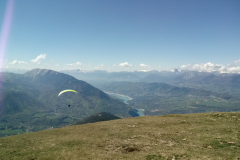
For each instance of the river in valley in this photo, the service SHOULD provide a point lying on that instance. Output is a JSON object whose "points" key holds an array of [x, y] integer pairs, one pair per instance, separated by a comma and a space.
{"points": [[125, 100]]}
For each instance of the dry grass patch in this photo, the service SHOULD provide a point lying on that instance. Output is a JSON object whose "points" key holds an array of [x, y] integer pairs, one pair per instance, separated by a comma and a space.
{"points": [[191, 136]]}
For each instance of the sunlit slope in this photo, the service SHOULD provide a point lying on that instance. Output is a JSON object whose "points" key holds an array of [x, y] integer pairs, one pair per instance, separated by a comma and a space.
{"points": [[30, 102], [190, 136], [89, 99]]}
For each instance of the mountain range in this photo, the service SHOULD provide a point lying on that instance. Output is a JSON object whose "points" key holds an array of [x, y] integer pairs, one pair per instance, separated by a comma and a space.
{"points": [[184, 77], [171, 77], [227, 83], [31, 101]]}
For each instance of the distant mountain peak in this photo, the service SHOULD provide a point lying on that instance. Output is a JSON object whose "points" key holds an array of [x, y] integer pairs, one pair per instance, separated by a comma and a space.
{"points": [[39, 71], [50, 77]]}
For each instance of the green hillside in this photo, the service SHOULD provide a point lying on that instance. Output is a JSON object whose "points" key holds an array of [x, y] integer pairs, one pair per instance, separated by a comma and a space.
{"points": [[212, 136], [30, 101], [103, 116]]}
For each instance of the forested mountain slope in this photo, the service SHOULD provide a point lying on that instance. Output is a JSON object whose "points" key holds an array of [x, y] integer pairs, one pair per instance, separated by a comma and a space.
{"points": [[30, 101]]}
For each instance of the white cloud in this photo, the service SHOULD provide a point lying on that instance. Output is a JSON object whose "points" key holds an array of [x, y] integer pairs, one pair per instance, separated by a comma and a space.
{"points": [[126, 64], [39, 58], [75, 64], [233, 69], [237, 61], [143, 65], [210, 67], [99, 66], [203, 67], [18, 62], [78, 63], [143, 70]]}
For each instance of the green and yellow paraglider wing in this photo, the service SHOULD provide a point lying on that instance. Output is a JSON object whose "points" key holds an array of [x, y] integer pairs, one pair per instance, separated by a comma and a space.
{"points": [[67, 90]]}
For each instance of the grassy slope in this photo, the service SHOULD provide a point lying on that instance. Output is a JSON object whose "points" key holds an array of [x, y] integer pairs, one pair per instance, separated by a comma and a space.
{"points": [[191, 136]]}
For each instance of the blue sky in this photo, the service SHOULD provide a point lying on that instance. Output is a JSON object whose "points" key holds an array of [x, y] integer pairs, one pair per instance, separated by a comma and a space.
{"points": [[123, 35]]}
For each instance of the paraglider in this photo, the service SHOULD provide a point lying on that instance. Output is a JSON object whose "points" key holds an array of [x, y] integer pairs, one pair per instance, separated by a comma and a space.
{"points": [[67, 90]]}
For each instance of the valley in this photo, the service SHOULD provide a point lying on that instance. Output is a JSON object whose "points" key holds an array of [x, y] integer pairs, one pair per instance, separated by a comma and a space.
{"points": [[162, 98], [31, 104], [120, 120], [125, 100], [120, 80]]}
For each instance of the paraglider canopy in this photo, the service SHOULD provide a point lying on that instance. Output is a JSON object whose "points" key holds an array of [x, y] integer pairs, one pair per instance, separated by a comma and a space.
{"points": [[67, 90]]}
